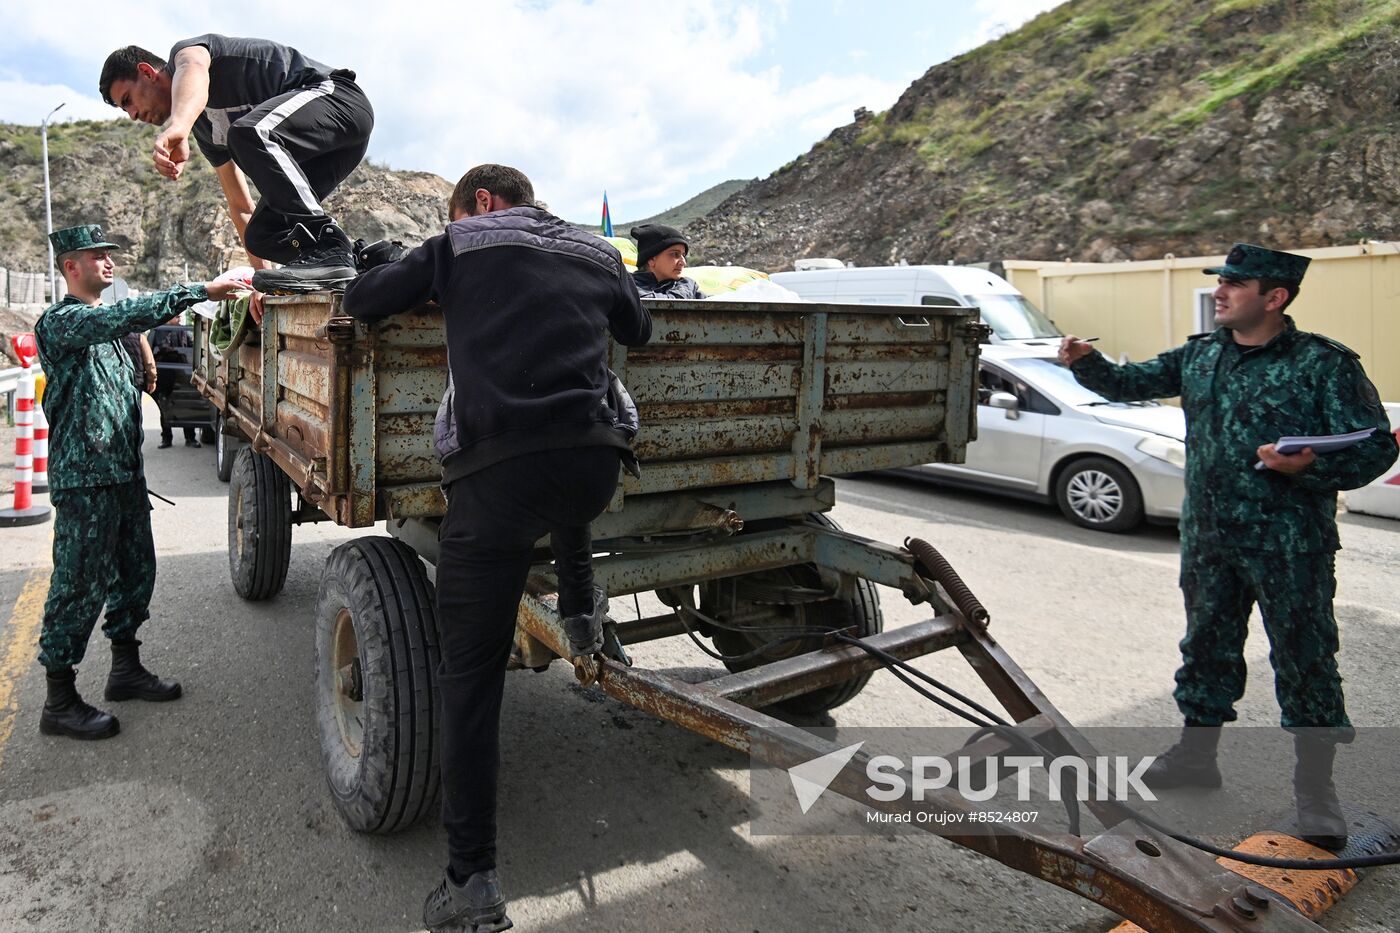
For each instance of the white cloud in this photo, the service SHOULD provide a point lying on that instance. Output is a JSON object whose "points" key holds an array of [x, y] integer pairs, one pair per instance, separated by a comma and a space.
{"points": [[24, 102], [1000, 17], [581, 95]]}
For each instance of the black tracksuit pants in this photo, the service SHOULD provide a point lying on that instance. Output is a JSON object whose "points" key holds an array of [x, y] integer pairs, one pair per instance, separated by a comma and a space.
{"points": [[296, 148], [494, 517]]}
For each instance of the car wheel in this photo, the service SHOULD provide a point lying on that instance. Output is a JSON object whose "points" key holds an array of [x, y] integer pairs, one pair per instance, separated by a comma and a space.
{"points": [[1097, 493]]}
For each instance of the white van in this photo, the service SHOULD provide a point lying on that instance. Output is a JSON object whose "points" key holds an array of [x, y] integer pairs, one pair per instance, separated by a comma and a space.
{"points": [[1013, 319]]}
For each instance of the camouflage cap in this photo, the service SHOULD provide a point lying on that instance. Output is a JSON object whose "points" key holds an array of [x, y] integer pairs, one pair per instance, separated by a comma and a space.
{"points": [[83, 236], [1247, 261]]}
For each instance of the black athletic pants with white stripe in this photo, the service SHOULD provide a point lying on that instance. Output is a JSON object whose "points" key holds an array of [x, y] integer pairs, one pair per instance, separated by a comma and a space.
{"points": [[296, 148]]}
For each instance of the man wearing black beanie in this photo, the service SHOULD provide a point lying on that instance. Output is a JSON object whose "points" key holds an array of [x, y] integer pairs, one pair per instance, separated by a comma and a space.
{"points": [[661, 255]]}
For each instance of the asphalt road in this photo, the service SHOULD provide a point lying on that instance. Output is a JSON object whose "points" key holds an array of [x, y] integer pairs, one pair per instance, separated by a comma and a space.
{"points": [[211, 813]]}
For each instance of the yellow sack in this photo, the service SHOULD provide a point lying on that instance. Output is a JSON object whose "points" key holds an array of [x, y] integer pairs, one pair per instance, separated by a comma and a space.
{"points": [[718, 280], [627, 248]]}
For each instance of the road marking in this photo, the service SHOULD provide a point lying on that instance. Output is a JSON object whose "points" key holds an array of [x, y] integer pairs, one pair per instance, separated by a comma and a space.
{"points": [[21, 638]]}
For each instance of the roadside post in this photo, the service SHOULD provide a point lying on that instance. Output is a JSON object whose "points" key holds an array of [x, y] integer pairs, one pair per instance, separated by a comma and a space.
{"points": [[23, 511]]}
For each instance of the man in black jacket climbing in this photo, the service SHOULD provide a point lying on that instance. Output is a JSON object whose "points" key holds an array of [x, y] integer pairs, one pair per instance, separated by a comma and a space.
{"points": [[528, 448]]}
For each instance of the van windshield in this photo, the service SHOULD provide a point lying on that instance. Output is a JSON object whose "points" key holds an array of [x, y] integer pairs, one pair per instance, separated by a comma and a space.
{"points": [[1012, 317]]}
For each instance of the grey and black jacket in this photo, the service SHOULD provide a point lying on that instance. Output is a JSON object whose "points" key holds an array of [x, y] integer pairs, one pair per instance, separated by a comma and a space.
{"points": [[528, 303], [650, 287]]}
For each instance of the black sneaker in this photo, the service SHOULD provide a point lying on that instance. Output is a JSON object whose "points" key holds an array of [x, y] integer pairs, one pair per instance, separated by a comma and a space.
{"points": [[585, 630], [477, 905], [323, 262]]}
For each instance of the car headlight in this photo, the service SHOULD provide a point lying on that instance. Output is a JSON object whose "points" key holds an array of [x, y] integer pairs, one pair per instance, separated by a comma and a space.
{"points": [[1164, 448]]}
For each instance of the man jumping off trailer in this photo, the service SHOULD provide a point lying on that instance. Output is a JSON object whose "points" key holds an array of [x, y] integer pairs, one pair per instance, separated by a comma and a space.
{"points": [[295, 127]]}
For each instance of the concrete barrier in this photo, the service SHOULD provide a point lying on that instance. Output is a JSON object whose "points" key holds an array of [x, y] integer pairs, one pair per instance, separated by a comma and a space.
{"points": [[1382, 496]]}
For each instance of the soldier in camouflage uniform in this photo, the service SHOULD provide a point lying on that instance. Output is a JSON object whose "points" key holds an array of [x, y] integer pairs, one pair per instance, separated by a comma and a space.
{"points": [[102, 547], [1258, 535]]}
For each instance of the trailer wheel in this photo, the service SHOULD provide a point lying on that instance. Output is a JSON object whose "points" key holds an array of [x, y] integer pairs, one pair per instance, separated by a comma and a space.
{"points": [[259, 525], [225, 450], [764, 593], [376, 654]]}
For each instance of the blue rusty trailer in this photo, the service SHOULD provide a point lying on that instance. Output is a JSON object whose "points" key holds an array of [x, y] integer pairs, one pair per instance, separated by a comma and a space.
{"points": [[746, 409]]}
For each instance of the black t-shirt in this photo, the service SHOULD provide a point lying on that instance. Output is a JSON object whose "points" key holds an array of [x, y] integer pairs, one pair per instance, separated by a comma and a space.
{"points": [[243, 73]]}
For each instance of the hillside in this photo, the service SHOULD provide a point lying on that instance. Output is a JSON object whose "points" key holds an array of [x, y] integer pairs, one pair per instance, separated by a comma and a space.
{"points": [[1101, 134], [682, 215], [100, 172]]}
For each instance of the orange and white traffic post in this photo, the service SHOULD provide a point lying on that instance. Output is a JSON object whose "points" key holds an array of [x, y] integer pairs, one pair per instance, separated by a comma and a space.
{"points": [[23, 510]]}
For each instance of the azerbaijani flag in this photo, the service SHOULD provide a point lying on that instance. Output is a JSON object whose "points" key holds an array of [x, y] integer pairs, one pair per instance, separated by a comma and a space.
{"points": [[607, 218]]}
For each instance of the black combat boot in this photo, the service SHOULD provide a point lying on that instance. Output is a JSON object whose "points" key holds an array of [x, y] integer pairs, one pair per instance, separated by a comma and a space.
{"points": [[323, 261], [476, 905], [66, 713], [585, 629], [1188, 763], [1320, 819], [130, 681]]}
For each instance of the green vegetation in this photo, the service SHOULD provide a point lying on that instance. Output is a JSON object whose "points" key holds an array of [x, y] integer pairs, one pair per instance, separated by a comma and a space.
{"points": [[1061, 61]]}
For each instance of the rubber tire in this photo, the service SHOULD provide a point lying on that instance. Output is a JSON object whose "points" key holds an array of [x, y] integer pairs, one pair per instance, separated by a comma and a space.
{"points": [[862, 610], [225, 450], [260, 499], [1129, 515], [394, 781]]}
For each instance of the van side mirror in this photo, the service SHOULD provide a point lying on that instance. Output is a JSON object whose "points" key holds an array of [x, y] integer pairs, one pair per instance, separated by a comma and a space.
{"points": [[1006, 402]]}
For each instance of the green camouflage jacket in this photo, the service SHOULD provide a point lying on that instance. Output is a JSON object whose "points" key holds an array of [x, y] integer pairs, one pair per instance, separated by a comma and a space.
{"points": [[1239, 398], [91, 399]]}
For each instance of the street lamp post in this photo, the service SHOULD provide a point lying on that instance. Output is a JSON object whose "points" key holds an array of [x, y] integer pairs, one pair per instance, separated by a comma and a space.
{"points": [[48, 206]]}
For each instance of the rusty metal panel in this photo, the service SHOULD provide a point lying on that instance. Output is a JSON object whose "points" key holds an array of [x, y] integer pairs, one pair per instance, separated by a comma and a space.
{"points": [[665, 382], [304, 434], [926, 325], [882, 456], [807, 439], [874, 376], [730, 394], [716, 471], [677, 325], [421, 328], [682, 439], [405, 458], [361, 431], [393, 358], [880, 425], [306, 374], [409, 390], [416, 500]]}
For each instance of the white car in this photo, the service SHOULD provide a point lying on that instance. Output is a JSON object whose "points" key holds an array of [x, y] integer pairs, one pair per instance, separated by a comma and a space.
{"points": [[1043, 436]]}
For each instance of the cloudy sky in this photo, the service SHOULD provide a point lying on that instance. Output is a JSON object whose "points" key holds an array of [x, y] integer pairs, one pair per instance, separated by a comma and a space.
{"points": [[652, 102]]}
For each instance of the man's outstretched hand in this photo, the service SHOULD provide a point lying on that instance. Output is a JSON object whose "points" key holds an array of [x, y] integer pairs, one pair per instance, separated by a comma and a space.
{"points": [[219, 290], [172, 151], [1072, 349]]}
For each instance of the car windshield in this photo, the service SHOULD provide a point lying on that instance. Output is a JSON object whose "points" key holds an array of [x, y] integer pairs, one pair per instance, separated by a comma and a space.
{"points": [[1012, 317], [1060, 382]]}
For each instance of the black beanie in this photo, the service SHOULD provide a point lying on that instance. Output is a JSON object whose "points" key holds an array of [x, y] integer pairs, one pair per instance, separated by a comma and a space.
{"points": [[653, 239]]}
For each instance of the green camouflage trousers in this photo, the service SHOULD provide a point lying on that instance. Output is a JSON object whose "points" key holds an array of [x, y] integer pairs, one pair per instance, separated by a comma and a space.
{"points": [[102, 554], [1294, 593]]}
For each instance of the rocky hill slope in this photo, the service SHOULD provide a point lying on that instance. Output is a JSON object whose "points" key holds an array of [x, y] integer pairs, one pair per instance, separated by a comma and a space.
{"points": [[1105, 131], [100, 172]]}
